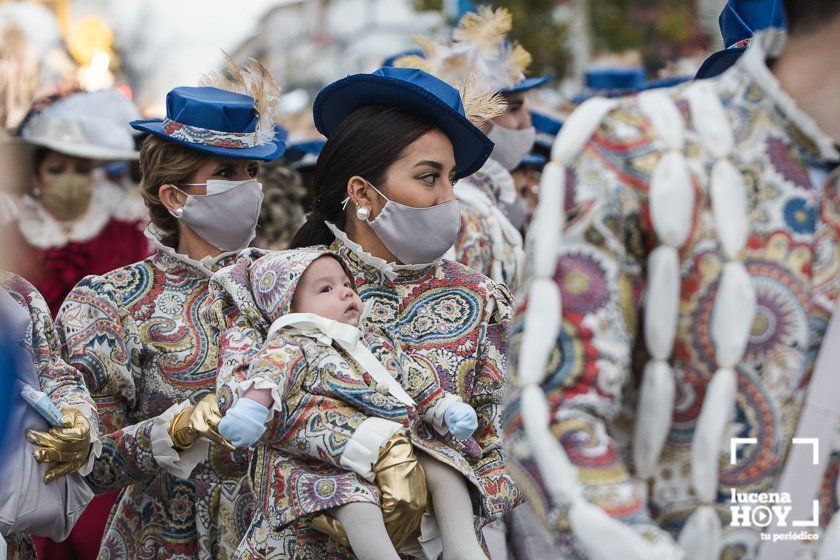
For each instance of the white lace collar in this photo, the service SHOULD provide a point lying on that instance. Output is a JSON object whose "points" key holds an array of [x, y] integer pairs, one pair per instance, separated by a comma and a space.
{"points": [[206, 266], [769, 44], [390, 270]]}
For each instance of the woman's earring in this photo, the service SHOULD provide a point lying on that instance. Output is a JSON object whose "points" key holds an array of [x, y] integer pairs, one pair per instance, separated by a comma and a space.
{"points": [[178, 213], [362, 212]]}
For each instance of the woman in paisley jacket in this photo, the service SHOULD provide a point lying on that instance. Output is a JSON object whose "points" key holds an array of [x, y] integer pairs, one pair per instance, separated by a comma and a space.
{"points": [[446, 316], [141, 336]]}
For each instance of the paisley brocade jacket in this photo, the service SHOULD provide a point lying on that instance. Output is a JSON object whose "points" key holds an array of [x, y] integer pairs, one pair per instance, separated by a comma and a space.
{"points": [[140, 335]]}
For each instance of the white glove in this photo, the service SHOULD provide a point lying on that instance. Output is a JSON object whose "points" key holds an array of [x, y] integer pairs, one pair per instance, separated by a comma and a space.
{"points": [[461, 420], [244, 423]]}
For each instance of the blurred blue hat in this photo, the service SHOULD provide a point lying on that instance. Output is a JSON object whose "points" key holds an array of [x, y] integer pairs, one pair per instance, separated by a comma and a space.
{"points": [[394, 57], [302, 155], [527, 84], [739, 21], [216, 122], [413, 90], [547, 129], [613, 78], [665, 82]]}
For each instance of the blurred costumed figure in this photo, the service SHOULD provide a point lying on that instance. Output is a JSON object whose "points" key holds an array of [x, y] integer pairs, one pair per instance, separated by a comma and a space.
{"points": [[71, 225], [684, 273]]}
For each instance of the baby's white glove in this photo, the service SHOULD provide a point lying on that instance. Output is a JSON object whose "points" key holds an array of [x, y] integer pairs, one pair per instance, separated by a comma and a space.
{"points": [[461, 420], [244, 423]]}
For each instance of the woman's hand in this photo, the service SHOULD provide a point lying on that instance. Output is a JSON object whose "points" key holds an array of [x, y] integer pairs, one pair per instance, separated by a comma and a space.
{"points": [[461, 420], [201, 420], [67, 446]]}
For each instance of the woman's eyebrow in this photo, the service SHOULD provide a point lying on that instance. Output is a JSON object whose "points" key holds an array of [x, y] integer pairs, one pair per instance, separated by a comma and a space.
{"points": [[432, 164]]}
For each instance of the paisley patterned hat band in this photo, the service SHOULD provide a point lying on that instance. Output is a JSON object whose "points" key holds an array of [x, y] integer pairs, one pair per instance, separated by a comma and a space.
{"points": [[207, 137]]}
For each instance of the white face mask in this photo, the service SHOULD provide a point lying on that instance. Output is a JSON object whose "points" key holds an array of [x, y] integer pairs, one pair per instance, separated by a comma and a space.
{"points": [[417, 235], [226, 217], [511, 145]]}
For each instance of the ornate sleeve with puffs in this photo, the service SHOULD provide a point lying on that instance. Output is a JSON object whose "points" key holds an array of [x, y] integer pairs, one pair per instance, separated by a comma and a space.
{"points": [[599, 278], [103, 342]]}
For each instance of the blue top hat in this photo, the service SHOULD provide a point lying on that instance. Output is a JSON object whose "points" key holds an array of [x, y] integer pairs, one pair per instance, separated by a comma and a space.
{"points": [[302, 155], [215, 122], [413, 90], [739, 21]]}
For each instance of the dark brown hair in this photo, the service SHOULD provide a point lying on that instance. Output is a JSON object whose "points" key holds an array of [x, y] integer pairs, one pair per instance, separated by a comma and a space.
{"points": [[366, 143]]}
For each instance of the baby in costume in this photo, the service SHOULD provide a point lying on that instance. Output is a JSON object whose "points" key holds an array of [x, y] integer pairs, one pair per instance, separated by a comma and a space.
{"points": [[343, 407]]}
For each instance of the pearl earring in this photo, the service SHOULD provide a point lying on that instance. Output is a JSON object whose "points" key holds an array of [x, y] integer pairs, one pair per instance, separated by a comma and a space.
{"points": [[362, 212], [179, 212]]}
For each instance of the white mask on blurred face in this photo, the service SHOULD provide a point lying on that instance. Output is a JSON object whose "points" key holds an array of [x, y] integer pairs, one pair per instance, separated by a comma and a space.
{"points": [[511, 145]]}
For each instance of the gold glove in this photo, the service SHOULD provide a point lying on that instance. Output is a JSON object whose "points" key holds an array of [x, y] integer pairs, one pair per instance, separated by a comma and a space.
{"points": [[404, 494], [201, 420], [67, 446]]}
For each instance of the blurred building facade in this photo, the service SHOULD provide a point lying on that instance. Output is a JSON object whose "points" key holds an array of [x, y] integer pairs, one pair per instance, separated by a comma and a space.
{"points": [[309, 43]]}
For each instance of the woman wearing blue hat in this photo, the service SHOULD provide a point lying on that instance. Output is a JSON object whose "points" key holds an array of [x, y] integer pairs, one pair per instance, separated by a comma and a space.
{"points": [[488, 242], [140, 334], [397, 141]]}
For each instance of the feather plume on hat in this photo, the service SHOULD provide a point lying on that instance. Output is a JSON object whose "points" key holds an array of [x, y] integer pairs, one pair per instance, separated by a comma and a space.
{"points": [[253, 79], [481, 104], [485, 29], [479, 51]]}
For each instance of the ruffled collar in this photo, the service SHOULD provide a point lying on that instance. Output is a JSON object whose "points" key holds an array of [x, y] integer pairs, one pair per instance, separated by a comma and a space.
{"points": [[769, 44], [168, 258], [390, 270]]}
